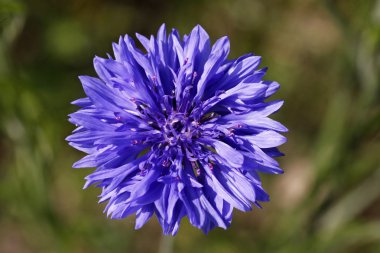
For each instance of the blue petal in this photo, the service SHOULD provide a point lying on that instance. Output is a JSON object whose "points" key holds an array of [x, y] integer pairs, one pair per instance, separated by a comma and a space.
{"points": [[224, 192], [252, 119], [143, 215], [82, 102], [218, 55], [227, 154], [101, 95], [266, 139], [191, 47]]}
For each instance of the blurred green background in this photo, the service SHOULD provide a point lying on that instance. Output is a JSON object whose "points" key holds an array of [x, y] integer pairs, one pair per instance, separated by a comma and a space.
{"points": [[326, 55]]}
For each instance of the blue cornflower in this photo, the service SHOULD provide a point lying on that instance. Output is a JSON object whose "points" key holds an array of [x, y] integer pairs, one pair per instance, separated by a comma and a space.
{"points": [[178, 130]]}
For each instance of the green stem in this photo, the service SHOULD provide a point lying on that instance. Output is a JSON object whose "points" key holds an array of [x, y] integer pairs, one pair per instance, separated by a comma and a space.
{"points": [[166, 244]]}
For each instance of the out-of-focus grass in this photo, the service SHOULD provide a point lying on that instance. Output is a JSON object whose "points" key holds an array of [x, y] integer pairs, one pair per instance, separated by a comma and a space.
{"points": [[326, 55]]}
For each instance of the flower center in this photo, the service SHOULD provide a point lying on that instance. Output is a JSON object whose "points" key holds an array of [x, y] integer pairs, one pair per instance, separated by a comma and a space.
{"points": [[179, 128]]}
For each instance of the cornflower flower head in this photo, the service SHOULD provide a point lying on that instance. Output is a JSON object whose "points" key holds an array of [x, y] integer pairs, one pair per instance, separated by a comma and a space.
{"points": [[177, 130]]}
